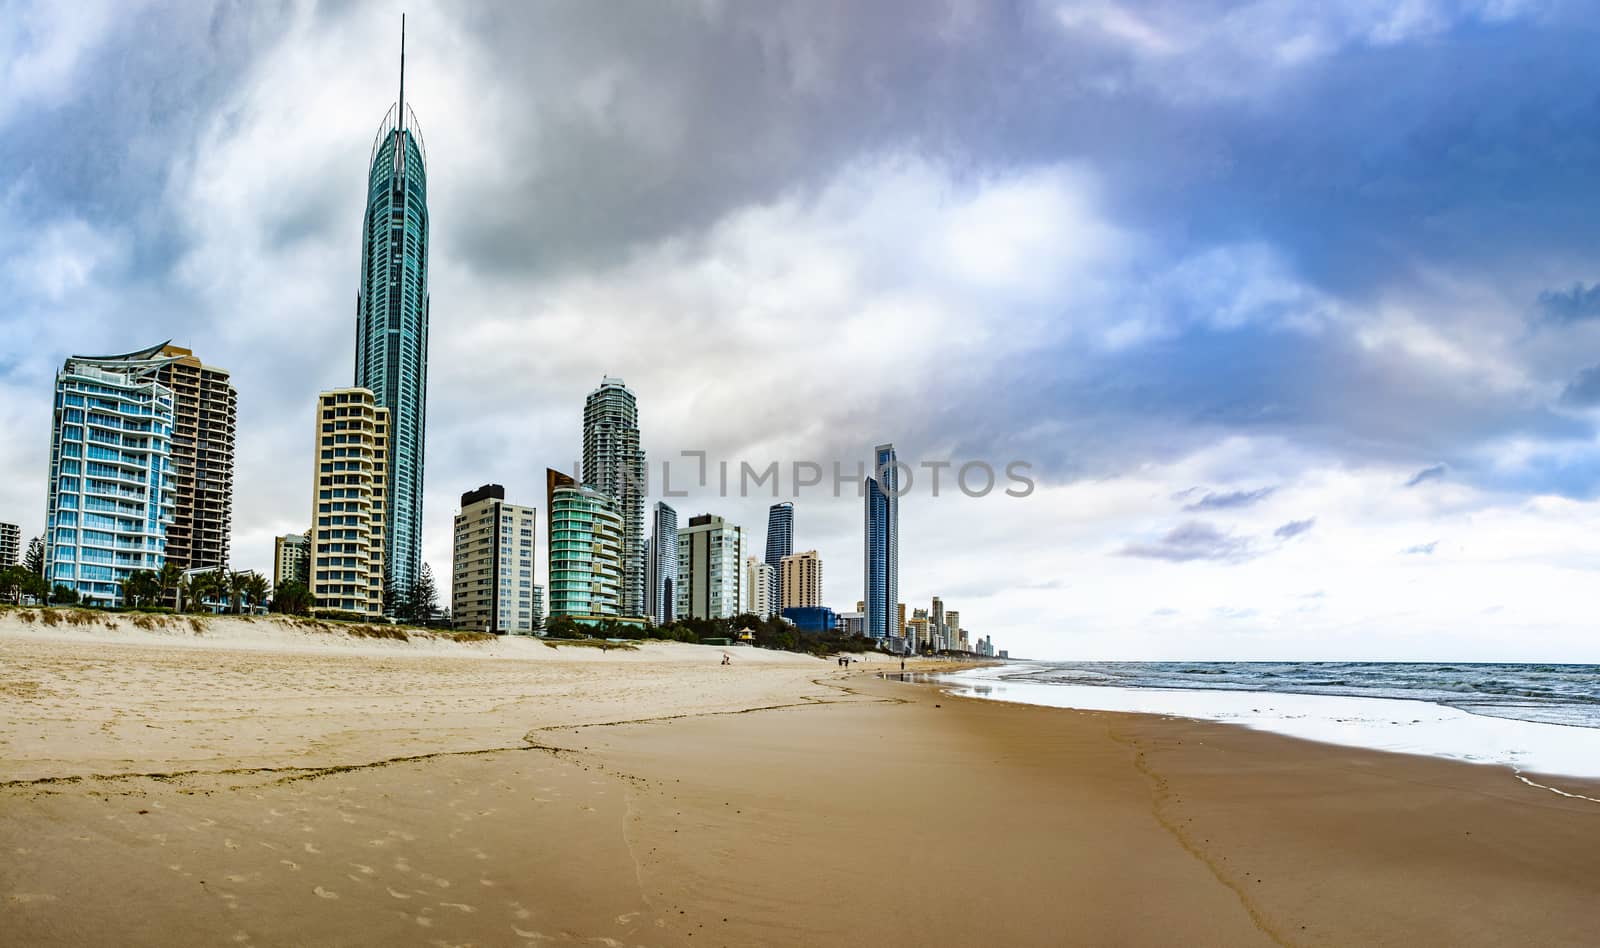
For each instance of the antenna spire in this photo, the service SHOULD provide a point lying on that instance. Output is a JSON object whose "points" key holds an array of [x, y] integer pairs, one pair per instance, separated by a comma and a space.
{"points": [[401, 118]]}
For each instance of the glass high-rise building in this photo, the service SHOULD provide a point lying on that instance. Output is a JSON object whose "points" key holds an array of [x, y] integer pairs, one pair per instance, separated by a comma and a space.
{"points": [[661, 586], [780, 543], [613, 462], [112, 493], [392, 322], [882, 574], [585, 543]]}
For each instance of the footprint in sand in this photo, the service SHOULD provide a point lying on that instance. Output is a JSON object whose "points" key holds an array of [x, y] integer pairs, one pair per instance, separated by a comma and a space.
{"points": [[398, 895], [312, 849], [238, 878], [364, 870], [26, 897], [294, 866], [459, 906], [325, 893], [230, 844]]}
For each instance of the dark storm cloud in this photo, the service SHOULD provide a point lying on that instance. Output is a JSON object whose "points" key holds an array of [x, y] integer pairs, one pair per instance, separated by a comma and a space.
{"points": [[1583, 391], [1231, 500], [1195, 540], [1570, 306], [1294, 528], [1434, 473]]}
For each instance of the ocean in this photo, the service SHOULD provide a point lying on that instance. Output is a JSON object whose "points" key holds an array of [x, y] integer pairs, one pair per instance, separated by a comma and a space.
{"points": [[1533, 718]]}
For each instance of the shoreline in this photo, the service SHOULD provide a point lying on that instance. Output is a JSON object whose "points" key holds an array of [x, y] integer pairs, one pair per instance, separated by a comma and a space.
{"points": [[665, 801], [1393, 724]]}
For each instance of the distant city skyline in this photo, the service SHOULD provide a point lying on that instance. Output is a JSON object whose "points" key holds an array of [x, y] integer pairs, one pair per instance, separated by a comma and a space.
{"points": [[1300, 374]]}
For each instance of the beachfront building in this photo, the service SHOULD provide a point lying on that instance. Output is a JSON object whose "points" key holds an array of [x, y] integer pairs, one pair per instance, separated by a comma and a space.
{"points": [[917, 630], [881, 580], [936, 627], [952, 626], [613, 462], [111, 493], [349, 494], [205, 411], [584, 535], [10, 544], [710, 551], [852, 623], [802, 581], [291, 559], [391, 351], [491, 578], [780, 543], [758, 587], [813, 620], [661, 565]]}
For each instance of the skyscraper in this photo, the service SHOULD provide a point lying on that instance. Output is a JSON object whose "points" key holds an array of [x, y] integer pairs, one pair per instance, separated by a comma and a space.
{"points": [[613, 462], [758, 583], [881, 583], [585, 539], [780, 543], [491, 582], [661, 592], [348, 497], [392, 321], [710, 551], [802, 580], [941, 635], [111, 491], [205, 409]]}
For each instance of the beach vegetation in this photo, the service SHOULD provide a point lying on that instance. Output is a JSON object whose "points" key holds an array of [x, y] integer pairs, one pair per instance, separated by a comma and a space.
{"points": [[64, 595], [33, 560], [292, 598], [19, 581], [763, 633]]}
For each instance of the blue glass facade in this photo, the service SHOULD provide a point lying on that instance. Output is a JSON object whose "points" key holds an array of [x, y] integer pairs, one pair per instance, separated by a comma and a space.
{"points": [[812, 619], [780, 543], [392, 325], [111, 490], [661, 592], [881, 585]]}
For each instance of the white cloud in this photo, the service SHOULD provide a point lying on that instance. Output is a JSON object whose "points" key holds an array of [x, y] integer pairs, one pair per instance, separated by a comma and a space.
{"points": [[43, 48]]}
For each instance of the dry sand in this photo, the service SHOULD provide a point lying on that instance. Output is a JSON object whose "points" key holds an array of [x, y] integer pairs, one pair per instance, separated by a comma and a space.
{"points": [[331, 792]]}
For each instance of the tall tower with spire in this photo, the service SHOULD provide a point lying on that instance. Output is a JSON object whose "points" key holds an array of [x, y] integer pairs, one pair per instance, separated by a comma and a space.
{"points": [[392, 322]]}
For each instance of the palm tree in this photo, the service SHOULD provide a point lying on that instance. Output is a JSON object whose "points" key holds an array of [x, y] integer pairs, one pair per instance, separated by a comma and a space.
{"points": [[204, 586], [234, 587], [171, 578], [255, 589], [140, 589]]}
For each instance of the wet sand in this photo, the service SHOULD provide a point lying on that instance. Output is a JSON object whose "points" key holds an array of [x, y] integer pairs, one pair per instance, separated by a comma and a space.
{"points": [[786, 804]]}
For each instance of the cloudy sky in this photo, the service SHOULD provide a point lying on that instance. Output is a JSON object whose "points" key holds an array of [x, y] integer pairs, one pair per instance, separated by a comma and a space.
{"points": [[1293, 308]]}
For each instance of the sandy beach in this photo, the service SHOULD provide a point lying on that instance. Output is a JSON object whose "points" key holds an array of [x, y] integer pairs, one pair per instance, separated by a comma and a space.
{"points": [[261, 785]]}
